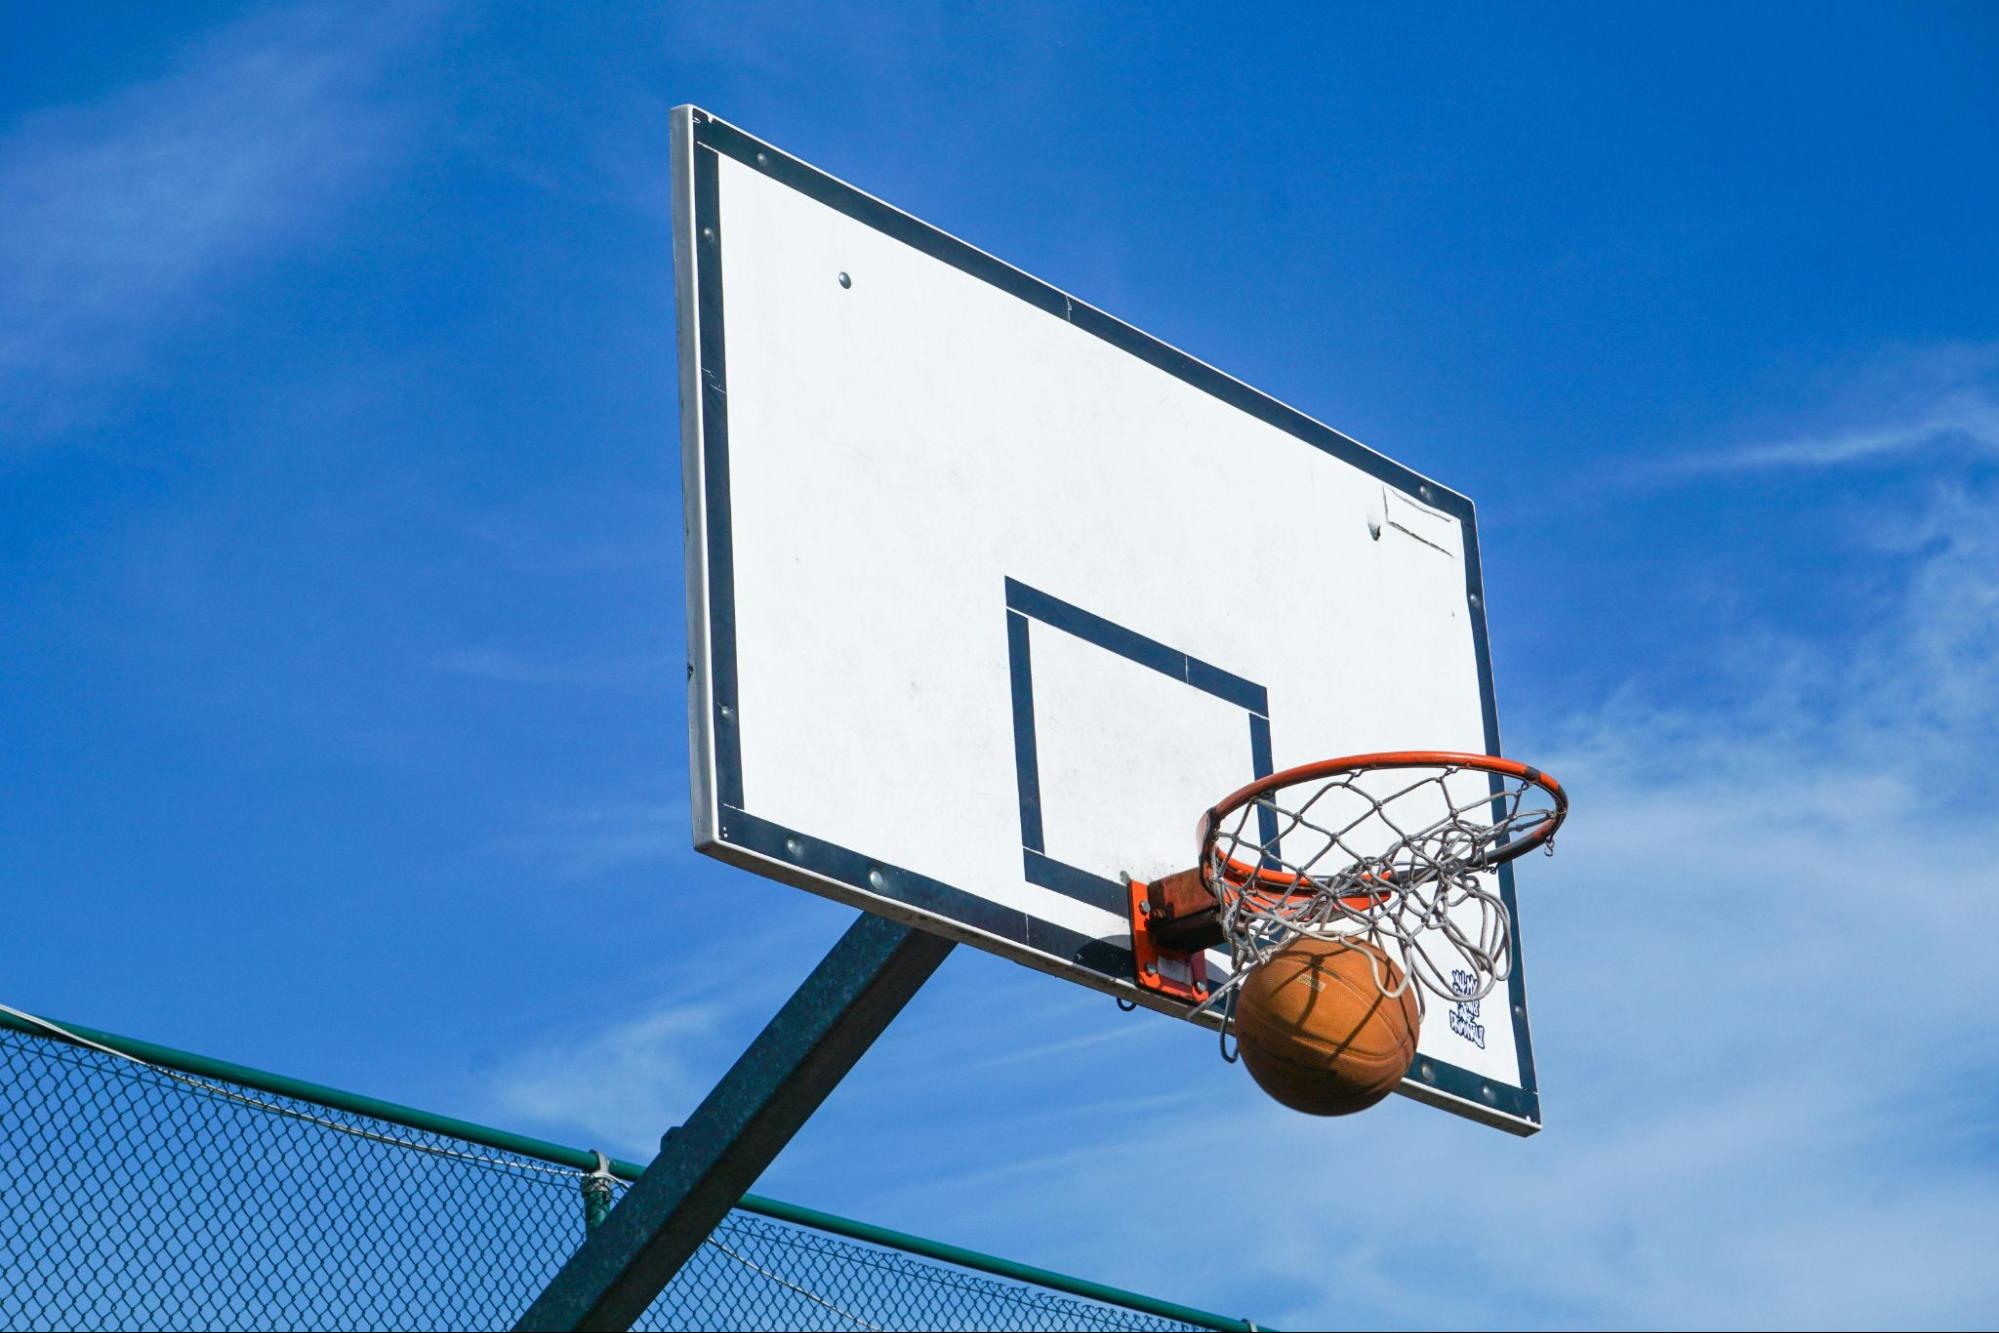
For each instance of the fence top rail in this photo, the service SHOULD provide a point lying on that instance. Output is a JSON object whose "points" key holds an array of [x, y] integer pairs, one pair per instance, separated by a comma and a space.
{"points": [[585, 1160]]}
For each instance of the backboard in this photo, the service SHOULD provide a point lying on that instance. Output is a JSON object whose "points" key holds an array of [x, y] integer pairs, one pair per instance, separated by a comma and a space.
{"points": [[990, 594]]}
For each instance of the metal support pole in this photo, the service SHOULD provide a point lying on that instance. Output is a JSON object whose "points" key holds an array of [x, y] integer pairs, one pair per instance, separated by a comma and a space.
{"points": [[772, 1089]]}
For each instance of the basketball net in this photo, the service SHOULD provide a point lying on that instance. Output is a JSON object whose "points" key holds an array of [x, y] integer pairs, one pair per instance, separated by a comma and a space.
{"points": [[1401, 850]]}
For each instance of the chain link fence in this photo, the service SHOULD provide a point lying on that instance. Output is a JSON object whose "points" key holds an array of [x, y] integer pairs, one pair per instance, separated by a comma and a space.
{"points": [[134, 1195]]}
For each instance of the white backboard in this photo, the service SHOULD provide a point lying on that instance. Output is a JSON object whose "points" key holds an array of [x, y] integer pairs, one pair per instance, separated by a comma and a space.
{"points": [[990, 595]]}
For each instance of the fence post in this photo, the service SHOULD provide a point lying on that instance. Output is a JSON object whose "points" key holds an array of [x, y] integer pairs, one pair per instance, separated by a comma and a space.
{"points": [[597, 1186]]}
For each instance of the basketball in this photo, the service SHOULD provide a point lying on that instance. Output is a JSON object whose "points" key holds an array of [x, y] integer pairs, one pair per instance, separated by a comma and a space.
{"points": [[1316, 1032]]}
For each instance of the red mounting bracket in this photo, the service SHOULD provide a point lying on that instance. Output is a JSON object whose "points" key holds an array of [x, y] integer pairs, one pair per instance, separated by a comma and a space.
{"points": [[1173, 925]]}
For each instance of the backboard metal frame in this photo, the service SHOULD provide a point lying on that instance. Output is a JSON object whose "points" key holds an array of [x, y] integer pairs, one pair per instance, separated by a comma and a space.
{"points": [[723, 828]]}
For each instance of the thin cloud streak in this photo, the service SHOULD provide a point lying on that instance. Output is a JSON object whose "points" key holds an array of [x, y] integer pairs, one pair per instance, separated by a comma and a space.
{"points": [[628, 1083], [122, 213], [506, 667], [582, 843], [1968, 418], [622, 1083]]}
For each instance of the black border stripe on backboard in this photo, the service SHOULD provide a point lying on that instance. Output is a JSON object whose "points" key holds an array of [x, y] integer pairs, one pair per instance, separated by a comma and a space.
{"points": [[1026, 753], [1516, 980], [896, 884], [1136, 647], [714, 368]]}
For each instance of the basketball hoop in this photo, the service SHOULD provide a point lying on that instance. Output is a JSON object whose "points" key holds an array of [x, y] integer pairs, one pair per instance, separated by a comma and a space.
{"points": [[1395, 847]]}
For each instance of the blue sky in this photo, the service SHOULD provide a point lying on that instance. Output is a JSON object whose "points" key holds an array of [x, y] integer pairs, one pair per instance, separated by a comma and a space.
{"points": [[340, 644]]}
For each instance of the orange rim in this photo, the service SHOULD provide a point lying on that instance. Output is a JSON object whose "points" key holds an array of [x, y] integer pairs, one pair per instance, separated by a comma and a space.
{"points": [[1281, 885]]}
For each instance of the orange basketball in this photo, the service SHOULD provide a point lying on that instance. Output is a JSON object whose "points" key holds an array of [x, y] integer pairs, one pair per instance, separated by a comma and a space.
{"points": [[1316, 1032]]}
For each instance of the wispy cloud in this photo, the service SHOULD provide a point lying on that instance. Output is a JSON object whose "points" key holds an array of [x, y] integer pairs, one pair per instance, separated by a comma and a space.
{"points": [[1966, 419], [624, 1082], [508, 667], [580, 843], [628, 1083], [626, 531], [122, 212], [1953, 405]]}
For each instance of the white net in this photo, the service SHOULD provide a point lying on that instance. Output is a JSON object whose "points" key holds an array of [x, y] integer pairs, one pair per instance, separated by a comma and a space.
{"points": [[1401, 850]]}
